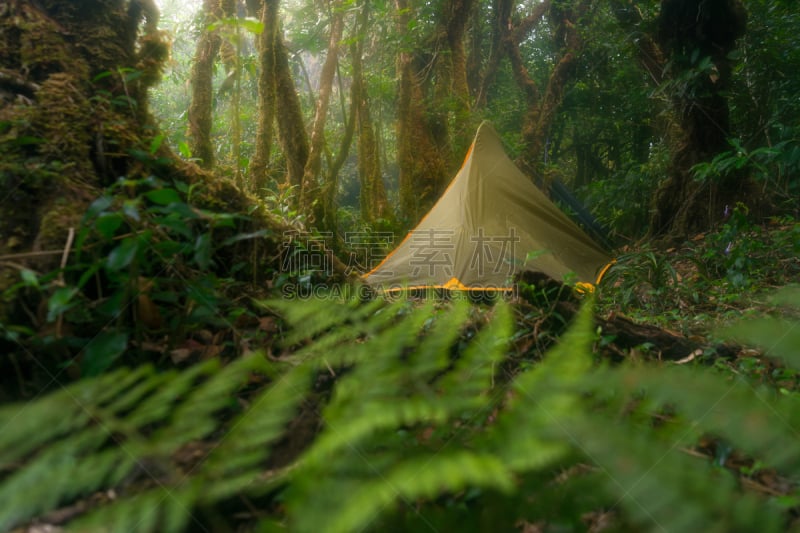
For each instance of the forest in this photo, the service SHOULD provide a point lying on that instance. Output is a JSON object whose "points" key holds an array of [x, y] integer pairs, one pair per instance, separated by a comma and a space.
{"points": [[193, 197]]}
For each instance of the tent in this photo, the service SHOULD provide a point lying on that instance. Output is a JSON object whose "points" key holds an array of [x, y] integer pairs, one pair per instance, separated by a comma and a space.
{"points": [[489, 224]]}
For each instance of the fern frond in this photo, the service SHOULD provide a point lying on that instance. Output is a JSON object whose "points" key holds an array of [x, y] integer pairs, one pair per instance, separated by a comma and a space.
{"points": [[422, 477], [750, 418], [534, 430], [159, 510], [662, 488], [246, 445], [405, 378], [780, 338], [473, 372], [115, 423], [25, 427]]}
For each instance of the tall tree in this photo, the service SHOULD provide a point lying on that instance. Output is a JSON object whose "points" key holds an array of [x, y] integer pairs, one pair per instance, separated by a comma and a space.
{"points": [[267, 42], [278, 102], [431, 68], [688, 56], [202, 77], [563, 19], [66, 69], [372, 197], [310, 190]]}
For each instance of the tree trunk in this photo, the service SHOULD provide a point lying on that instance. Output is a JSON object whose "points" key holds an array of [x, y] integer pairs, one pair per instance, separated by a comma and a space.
{"points": [[452, 88], [200, 108], [563, 19], [66, 70], [259, 169], [52, 98], [420, 158], [372, 196], [73, 122], [688, 32], [310, 190], [289, 114]]}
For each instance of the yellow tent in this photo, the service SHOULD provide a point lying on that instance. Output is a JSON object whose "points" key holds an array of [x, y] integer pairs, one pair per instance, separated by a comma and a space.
{"points": [[489, 224]]}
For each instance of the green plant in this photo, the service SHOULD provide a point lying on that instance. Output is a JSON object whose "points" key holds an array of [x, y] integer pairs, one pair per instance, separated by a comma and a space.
{"points": [[141, 263], [644, 278], [745, 254], [417, 425]]}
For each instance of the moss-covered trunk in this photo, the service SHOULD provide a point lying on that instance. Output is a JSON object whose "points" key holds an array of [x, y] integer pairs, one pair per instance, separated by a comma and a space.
{"points": [[259, 169], [72, 106], [75, 132], [422, 140], [311, 199], [289, 114], [372, 196], [200, 109], [563, 19], [688, 58], [689, 33], [452, 90]]}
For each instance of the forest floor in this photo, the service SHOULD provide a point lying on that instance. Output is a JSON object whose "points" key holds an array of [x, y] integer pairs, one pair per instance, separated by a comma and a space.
{"points": [[655, 308]]}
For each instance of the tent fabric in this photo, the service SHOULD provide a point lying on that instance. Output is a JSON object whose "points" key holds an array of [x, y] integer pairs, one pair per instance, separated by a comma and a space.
{"points": [[489, 224]]}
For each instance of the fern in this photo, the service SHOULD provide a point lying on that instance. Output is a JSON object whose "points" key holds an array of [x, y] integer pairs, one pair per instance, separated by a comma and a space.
{"points": [[119, 427], [424, 421]]}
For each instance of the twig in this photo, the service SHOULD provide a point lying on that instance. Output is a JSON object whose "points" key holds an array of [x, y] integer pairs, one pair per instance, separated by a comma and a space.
{"points": [[24, 255], [12, 264], [70, 238], [690, 357]]}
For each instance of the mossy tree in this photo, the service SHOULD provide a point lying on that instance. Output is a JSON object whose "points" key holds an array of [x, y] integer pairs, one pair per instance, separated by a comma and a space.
{"points": [[75, 128], [432, 96], [563, 21], [372, 198], [201, 107], [685, 51], [76, 74], [310, 197], [267, 43]]}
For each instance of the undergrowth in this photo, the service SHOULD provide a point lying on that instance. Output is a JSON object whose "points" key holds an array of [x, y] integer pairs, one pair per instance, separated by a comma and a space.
{"points": [[412, 425], [714, 277]]}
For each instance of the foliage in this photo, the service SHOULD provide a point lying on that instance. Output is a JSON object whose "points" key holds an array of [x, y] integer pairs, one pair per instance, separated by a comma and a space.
{"points": [[714, 276], [145, 263], [642, 278], [417, 425], [403, 415], [744, 252]]}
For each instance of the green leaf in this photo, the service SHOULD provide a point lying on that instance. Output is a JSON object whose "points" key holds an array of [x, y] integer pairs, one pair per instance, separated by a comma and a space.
{"points": [[252, 25], [185, 151], [60, 301], [175, 224], [155, 144], [163, 196], [245, 236], [102, 75], [202, 250], [29, 278], [107, 224], [131, 210], [27, 140], [122, 256], [102, 351], [99, 205]]}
